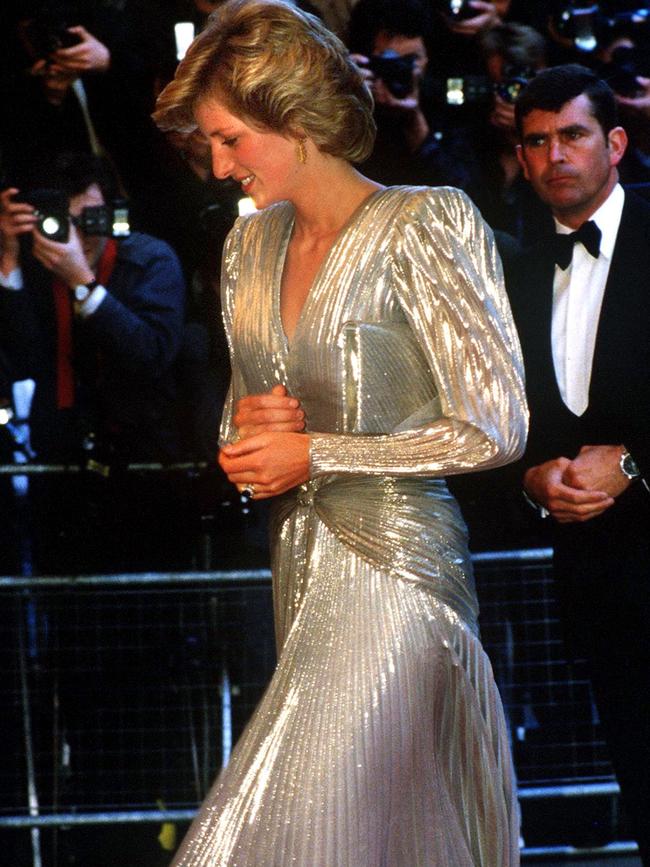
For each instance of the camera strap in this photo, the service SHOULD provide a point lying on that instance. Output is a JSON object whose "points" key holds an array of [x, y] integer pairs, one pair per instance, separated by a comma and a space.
{"points": [[63, 310]]}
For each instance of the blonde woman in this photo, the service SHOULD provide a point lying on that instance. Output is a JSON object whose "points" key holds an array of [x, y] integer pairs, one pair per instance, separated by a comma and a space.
{"points": [[373, 353]]}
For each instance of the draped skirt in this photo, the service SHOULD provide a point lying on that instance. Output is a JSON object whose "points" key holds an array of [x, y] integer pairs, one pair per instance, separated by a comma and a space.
{"points": [[380, 741]]}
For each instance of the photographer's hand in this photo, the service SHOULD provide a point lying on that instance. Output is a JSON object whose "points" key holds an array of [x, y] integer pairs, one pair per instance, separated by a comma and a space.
{"points": [[486, 17], [362, 62], [502, 115], [67, 261], [89, 55], [16, 218], [405, 105], [640, 105], [416, 126]]}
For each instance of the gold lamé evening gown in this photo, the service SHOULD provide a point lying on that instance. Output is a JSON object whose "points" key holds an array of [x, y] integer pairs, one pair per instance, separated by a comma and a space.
{"points": [[380, 741]]}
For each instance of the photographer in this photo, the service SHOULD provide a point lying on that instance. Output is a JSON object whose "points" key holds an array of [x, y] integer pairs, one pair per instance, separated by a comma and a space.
{"points": [[99, 321], [624, 63], [512, 54], [79, 76], [390, 44]]}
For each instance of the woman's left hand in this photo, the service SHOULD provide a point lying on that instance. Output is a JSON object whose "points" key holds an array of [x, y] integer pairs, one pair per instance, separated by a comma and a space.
{"points": [[272, 462], [275, 410]]}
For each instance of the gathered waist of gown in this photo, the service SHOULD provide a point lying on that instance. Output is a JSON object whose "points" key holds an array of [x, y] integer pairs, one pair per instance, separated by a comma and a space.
{"points": [[409, 527]]}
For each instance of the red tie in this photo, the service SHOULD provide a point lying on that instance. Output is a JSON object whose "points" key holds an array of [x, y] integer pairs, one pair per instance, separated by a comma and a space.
{"points": [[63, 313], [64, 371]]}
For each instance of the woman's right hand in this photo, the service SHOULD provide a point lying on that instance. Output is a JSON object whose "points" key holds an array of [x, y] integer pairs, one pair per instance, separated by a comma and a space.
{"points": [[275, 410]]}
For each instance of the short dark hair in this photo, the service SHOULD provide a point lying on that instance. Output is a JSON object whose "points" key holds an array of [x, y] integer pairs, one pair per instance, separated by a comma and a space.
{"points": [[410, 18], [72, 173], [519, 45], [552, 88]]}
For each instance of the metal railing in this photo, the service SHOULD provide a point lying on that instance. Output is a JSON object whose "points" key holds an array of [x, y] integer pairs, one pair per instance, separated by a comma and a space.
{"points": [[531, 566]]}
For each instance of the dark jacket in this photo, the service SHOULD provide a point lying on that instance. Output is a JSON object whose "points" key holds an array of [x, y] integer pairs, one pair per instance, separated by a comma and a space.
{"points": [[123, 354]]}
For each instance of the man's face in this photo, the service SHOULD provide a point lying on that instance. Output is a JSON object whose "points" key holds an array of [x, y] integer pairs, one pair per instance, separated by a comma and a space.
{"points": [[569, 161], [93, 245], [401, 45]]}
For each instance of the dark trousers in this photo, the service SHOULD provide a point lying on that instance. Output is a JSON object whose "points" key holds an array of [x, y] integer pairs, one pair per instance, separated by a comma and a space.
{"points": [[603, 578]]}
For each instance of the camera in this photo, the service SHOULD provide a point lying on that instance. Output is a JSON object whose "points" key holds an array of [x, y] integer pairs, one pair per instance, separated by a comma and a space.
{"points": [[47, 33], [581, 22], [625, 66], [588, 27], [53, 218], [395, 70], [51, 211], [110, 221], [461, 90], [516, 78], [456, 10]]}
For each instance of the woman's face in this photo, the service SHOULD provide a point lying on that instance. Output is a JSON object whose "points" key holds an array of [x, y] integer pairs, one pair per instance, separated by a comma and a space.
{"points": [[264, 163]]}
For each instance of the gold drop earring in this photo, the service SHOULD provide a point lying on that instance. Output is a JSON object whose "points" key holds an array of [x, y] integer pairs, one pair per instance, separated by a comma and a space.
{"points": [[302, 150]]}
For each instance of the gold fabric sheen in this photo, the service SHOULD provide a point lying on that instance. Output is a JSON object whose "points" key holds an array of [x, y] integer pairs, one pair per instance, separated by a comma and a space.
{"points": [[381, 740]]}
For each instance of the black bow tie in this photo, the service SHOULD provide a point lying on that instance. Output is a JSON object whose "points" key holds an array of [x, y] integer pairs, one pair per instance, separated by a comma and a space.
{"points": [[588, 235]]}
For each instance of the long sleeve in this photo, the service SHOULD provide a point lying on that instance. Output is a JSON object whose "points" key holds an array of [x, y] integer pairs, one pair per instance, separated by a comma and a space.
{"points": [[449, 281], [139, 323]]}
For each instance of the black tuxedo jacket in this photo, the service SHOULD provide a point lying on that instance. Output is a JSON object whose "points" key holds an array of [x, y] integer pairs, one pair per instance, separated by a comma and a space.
{"points": [[619, 396], [602, 566]]}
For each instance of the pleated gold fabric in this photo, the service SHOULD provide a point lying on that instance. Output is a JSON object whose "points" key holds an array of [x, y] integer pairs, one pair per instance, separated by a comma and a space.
{"points": [[380, 741]]}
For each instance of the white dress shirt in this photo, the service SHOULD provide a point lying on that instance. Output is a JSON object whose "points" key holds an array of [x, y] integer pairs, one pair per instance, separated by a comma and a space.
{"points": [[577, 298]]}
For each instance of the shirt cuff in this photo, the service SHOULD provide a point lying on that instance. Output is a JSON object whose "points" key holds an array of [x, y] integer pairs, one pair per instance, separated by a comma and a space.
{"points": [[92, 302], [13, 280]]}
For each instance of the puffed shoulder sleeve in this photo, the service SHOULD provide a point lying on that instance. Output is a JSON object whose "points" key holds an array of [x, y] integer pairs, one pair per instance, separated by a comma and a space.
{"points": [[449, 282]]}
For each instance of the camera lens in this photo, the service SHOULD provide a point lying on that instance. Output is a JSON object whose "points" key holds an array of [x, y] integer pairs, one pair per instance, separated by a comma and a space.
{"points": [[49, 225], [54, 225]]}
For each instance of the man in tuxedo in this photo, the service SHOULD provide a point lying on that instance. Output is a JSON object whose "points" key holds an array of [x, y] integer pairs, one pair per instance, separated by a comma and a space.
{"points": [[581, 301]]}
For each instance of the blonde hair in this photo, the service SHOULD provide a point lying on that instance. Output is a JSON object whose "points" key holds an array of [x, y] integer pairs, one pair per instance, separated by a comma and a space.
{"points": [[277, 68]]}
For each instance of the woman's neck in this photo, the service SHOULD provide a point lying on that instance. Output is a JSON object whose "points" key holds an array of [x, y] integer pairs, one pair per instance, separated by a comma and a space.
{"points": [[332, 192]]}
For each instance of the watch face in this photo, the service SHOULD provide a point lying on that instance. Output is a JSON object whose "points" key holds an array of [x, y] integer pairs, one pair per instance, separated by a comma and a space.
{"points": [[81, 292], [629, 466]]}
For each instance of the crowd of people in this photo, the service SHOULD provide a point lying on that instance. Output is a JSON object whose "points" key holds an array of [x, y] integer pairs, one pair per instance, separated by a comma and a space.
{"points": [[112, 309], [82, 78]]}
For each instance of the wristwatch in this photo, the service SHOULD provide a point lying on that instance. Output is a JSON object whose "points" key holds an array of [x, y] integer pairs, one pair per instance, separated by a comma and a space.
{"points": [[629, 466], [83, 290]]}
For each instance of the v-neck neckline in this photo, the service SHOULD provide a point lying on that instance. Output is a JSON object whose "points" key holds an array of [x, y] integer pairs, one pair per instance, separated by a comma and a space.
{"points": [[329, 255]]}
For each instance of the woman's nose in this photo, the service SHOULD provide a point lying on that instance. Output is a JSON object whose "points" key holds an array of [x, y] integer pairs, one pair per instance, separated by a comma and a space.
{"points": [[222, 164]]}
